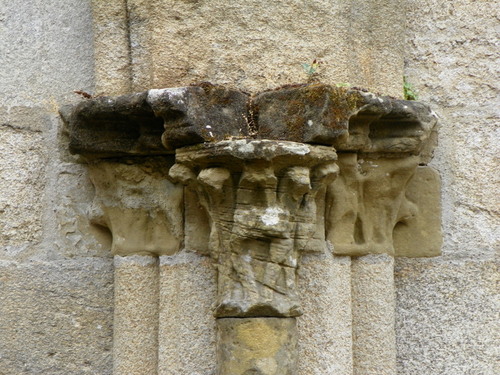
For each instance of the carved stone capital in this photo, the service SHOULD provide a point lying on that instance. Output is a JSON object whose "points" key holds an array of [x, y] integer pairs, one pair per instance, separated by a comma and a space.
{"points": [[367, 202], [130, 202], [261, 199], [262, 186]]}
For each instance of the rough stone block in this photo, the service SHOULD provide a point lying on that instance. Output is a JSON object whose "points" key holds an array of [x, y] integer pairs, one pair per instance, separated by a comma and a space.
{"points": [[447, 319], [22, 176], [56, 318], [309, 113], [139, 205], [261, 346], [419, 233], [116, 126], [200, 113]]}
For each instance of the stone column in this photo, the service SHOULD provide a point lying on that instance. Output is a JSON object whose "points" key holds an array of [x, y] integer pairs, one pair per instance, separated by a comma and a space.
{"points": [[135, 321], [373, 314], [367, 201], [262, 168], [142, 210], [368, 204], [261, 199], [325, 328], [187, 328]]}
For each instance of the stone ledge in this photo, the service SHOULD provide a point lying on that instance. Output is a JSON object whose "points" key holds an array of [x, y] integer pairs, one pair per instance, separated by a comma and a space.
{"points": [[351, 120]]}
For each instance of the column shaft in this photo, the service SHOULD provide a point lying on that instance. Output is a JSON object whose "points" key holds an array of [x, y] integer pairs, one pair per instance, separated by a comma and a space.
{"points": [[187, 330], [373, 309], [325, 330], [135, 332], [257, 346]]}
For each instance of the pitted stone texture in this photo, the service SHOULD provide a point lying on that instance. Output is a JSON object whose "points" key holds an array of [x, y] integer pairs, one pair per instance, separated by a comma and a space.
{"points": [[36, 69], [325, 328], [367, 201], [201, 113], [418, 232], [135, 321], [460, 36], [56, 318], [373, 315], [187, 332], [351, 120], [387, 126], [113, 71], [259, 45], [22, 172], [456, 330], [257, 346], [261, 199], [139, 205], [310, 113]]}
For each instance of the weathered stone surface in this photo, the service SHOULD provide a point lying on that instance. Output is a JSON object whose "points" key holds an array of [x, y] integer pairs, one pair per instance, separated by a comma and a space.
{"points": [[257, 346], [139, 205], [112, 55], [309, 113], [107, 126], [259, 45], [418, 233], [456, 329], [56, 317], [373, 315], [350, 119], [135, 320], [325, 328], [187, 331], [36, 69], [384, 125], [464, 95], [21, 202], [201, 113], [261, 198], [366, 202], [196, 224]]}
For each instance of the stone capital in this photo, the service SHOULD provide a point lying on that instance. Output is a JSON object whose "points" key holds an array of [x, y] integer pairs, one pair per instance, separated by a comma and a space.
{"points": [[130, 202], [261, 197]]}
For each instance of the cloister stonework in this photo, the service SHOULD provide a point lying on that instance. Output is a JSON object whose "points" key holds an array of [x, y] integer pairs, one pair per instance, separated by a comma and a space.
{"points": [[256, 181], [214, 187]]}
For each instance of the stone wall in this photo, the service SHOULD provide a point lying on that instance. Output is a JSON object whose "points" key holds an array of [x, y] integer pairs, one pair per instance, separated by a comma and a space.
{"points": [[56, 280], [56, 284], [451, 303]]}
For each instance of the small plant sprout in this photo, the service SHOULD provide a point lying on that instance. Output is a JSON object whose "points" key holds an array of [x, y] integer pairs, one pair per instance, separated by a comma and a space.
{"points": [[311, 69], [409, 91], [343, 84]]}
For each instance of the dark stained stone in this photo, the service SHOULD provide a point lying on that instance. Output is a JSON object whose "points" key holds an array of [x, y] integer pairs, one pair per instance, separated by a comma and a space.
{"points": [[162, 120], [309, 113], [106, 126], [203, 113], [389, 126]]}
